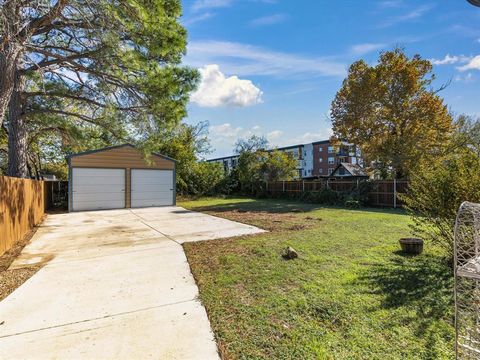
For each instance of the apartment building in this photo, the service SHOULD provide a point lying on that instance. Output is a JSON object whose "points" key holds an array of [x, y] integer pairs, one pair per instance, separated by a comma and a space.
{"points": [[228, 162], [315, 159], [327, 156]]}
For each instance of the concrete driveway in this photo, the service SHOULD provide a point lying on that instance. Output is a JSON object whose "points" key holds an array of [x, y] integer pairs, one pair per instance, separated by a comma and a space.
{"points": [[115, 285]]}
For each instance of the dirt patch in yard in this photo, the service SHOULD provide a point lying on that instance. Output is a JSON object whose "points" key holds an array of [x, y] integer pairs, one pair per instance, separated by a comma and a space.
{"points": [[12, 279], [265, 220]]}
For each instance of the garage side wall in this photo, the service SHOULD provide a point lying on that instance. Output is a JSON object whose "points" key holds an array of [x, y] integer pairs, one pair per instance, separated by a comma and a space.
{"points": [[124, 157]]}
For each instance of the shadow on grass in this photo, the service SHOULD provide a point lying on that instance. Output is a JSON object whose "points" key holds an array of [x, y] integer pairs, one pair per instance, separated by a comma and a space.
{"points": [[284, 206], [265, 205], [422, 283]]}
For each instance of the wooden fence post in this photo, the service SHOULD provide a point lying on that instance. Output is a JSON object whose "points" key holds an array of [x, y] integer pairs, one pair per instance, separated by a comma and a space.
{"points": [[303, 185], [394, 193], [283, 185]]}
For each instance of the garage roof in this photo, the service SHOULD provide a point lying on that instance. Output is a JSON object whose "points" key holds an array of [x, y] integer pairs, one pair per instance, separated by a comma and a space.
{"points": [[116, 147]]}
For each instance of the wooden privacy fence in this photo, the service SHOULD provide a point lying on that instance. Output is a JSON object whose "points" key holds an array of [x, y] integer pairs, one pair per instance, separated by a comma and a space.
{"points": [[22, 206], [382, 193]]}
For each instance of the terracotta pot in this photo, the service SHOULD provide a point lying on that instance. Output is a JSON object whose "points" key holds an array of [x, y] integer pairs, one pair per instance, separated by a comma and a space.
{"points": [[411, 245]]}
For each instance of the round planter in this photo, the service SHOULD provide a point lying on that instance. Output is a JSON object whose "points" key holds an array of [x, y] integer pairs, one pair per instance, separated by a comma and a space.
{"points": [[411, 245]]}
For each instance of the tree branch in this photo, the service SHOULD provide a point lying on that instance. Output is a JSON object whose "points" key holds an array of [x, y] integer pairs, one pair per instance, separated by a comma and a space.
{"points": [[44, 20]]}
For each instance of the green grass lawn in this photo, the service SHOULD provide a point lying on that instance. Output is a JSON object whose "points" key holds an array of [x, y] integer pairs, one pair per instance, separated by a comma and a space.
{"points": [[350, 295]]}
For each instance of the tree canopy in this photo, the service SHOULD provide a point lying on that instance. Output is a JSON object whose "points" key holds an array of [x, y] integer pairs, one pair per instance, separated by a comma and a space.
{"points": [[252, 144], [391, 112], [257, 165], [76, 64]]}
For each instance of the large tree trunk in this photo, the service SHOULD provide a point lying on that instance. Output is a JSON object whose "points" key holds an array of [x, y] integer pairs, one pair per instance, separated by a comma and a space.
{"points": [[8, 63], [17, 131]]}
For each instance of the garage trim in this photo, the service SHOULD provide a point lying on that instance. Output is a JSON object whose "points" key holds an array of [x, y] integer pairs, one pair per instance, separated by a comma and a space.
{"points": [[126, 157]]}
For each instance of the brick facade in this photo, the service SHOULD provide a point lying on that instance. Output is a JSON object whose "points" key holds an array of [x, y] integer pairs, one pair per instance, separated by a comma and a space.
{"points": [[326, 156]]}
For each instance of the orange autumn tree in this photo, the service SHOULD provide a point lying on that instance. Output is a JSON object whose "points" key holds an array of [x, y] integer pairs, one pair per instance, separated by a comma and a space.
{"points": [[391, 111]]}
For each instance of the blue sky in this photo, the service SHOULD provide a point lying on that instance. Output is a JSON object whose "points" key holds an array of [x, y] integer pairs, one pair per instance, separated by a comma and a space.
{"points": [[272, 67]]}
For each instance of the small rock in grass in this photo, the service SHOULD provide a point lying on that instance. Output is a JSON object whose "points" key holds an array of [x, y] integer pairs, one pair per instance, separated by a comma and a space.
{"points": [[290, 253]]}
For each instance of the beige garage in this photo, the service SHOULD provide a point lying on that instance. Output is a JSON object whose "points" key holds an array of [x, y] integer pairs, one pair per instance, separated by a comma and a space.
{"points": [[120, 177]]}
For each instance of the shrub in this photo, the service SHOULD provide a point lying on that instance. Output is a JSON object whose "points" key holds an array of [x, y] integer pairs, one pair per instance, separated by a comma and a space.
{"points": [[352, 204], [436, 192], [229, 184], [203, 178]]}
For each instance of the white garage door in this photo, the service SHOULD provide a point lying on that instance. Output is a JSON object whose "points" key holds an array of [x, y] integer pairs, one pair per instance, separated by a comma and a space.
{"points": [[94, 189], [152, 187]]}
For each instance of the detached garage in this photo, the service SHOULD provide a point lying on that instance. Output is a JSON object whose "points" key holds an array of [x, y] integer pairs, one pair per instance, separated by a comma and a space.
{"points": [[119, 177]]}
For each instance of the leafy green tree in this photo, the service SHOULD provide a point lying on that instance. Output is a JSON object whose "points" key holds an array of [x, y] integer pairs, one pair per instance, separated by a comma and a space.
{"points": [[256, 168], [439, 186], [230, 183], [109, 64], [205, 178], [391, 112], [185, 143]]}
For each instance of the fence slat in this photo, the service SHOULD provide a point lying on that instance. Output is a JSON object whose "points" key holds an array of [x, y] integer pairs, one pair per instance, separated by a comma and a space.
{"points": [[22, 206]]}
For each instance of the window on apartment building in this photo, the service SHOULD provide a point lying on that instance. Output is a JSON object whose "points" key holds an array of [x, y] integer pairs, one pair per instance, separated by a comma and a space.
{"points": [[320, 149], [330, 170], [320, 171], [330, 149], [320, 160], [331, 160]]}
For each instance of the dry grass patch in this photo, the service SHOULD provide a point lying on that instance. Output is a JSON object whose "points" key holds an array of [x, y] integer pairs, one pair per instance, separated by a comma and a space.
{"points": [[262, 219]]}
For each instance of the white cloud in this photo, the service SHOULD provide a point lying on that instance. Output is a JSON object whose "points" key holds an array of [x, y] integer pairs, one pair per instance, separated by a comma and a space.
{"points": [[248, 60], [411, 15], [361, 49], [309, 137], [269, 20], [217, 90], [224, 136], [448, 60], [280, 138], [194, 19], [225, 130], [210, 4], [468, 78], [273, 135], [390, 4], [473, 64]]}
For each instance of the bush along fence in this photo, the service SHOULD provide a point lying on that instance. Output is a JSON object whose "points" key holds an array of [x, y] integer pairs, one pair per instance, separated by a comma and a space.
{"points": [[349, 192], [23, 204]]}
